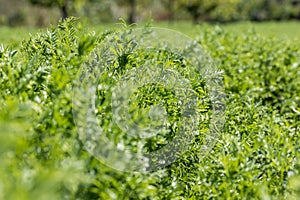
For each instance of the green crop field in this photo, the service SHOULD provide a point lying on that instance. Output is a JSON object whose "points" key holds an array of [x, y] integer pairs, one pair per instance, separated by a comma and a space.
{"points": [[284, 30], [255, 156]]}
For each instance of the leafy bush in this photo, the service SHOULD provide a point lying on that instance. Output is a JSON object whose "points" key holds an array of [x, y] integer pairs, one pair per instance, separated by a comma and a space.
{"points": [[257, 155]]}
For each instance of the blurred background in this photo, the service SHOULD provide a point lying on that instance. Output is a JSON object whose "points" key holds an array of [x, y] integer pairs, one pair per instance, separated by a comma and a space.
{"points": [[41, 13]]}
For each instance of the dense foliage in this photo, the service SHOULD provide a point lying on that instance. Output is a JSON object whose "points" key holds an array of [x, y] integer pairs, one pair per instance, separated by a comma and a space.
{"points": [[235, 10], [43, 12], [256, 157]]}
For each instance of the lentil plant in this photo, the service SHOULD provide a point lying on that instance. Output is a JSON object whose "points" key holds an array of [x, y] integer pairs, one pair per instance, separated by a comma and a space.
{"points": [[255, 157]]}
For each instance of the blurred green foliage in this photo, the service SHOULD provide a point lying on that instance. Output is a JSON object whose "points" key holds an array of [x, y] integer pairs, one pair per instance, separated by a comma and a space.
{"points": [[256, 157], [43, 12], [236, 10]]}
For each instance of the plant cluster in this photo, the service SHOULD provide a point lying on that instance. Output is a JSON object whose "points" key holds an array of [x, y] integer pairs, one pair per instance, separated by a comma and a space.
{"points": [[255, 157]]}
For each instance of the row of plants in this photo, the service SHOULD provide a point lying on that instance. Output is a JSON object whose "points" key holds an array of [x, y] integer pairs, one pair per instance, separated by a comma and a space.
{"points": [[256, 155]]}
